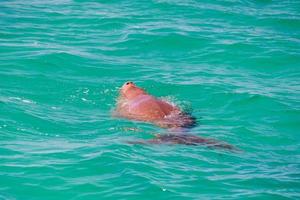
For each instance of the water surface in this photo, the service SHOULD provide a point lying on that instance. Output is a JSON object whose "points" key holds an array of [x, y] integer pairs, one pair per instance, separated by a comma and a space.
{"points": [[234, 64]]}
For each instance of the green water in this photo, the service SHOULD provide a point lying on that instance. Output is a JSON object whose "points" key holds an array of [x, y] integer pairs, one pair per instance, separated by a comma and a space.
{"points": [[234, 64]]}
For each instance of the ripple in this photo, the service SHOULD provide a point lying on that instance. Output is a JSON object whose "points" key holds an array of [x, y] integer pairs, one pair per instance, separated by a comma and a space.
{"points": [[234, 65]]}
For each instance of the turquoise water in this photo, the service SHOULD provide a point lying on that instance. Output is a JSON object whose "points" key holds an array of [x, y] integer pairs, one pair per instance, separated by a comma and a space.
{"points": [[233, 64]]}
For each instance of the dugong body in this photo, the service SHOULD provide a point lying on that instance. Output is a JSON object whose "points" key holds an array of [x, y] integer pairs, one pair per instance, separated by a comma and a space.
{"points": [[135, 103]]}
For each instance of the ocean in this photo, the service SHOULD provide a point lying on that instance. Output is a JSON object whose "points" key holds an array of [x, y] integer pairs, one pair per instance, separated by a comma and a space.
{"points": [[233, 64]]}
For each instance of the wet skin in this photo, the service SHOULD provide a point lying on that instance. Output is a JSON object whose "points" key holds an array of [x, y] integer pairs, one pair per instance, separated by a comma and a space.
{"points": [[135, 103]]}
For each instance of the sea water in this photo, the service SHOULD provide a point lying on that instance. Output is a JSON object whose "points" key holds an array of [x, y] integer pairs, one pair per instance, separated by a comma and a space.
{"points": [[235, 65]]}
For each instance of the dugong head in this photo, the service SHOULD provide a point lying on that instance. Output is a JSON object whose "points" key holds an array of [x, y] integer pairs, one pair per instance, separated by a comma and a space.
{"points": [[129, 90]]}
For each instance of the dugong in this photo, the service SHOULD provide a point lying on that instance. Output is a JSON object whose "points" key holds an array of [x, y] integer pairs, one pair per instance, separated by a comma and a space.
{"points": [[135, 103]]}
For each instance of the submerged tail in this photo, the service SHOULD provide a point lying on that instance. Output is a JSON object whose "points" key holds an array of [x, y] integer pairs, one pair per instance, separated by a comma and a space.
{"points": [[185, 139]]}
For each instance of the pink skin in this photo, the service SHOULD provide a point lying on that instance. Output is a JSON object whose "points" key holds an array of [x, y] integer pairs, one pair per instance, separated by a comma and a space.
{"points": [[135, 103]]}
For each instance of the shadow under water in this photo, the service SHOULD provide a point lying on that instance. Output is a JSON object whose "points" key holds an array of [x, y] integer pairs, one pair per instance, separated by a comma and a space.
{"points": [[185, 139]]}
